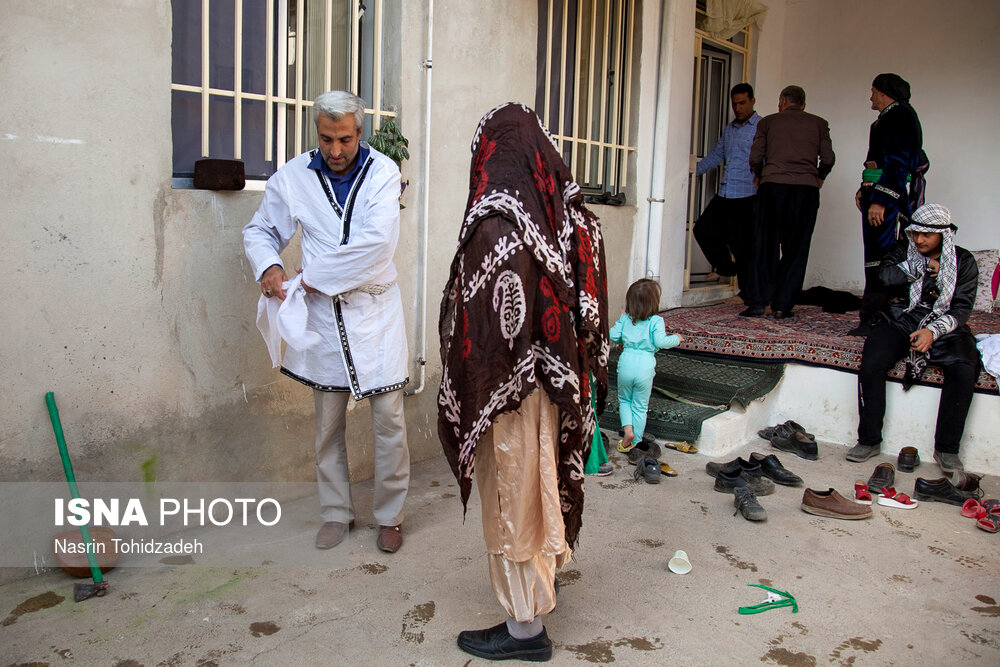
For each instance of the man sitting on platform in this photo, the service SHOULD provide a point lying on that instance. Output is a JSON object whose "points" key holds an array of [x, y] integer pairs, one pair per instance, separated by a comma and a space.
{"points": [[926, 324]]}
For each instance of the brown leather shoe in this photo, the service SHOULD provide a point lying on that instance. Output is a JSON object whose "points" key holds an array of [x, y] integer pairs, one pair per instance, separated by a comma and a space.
{"points": [[908, 459], [332, 533], [390, 538], [832, 504]]}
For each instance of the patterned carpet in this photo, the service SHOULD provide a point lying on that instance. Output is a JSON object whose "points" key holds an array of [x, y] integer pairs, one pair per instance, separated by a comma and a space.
{"points": [[811, 337], [716, 383]]}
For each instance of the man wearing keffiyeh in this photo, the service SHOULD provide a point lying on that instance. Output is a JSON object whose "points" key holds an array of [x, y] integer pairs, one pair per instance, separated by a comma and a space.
{"points": [[935, 286], [523, 328]]}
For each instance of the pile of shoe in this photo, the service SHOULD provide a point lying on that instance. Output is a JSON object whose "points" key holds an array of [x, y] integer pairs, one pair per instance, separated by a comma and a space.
{"points": [[645, 456], [791, 437], [986, 513], [881, 484], [748, 479]]}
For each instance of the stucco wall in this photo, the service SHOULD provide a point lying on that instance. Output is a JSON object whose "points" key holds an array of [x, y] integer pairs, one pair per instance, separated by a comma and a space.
{"points": [[132, 301], [949, 54]]}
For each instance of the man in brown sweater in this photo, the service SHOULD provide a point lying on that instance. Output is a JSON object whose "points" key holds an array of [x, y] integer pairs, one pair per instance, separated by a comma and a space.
{"points": [[791, 156]]}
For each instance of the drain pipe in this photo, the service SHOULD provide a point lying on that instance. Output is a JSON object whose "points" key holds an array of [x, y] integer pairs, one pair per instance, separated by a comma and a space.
{"points": [[425, 172], [656, 199]]}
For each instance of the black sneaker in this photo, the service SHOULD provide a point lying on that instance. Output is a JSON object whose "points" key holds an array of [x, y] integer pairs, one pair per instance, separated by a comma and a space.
{"points": [[496, 643], [745, 502]]}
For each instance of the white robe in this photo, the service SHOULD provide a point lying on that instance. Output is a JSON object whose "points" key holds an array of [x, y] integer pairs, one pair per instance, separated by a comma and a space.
{"points": [[362, 347]]}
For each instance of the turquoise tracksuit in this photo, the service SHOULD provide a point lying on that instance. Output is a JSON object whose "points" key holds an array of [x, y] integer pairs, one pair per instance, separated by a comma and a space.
{"points": [[637, 365]]}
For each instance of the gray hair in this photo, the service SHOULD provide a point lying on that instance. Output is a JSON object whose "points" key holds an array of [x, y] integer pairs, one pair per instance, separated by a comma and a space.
{"points": [[336, 104], [794, 95]]}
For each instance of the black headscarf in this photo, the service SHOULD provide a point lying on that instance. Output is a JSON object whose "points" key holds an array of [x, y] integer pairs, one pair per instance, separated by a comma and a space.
{"points": [[892, 85]]}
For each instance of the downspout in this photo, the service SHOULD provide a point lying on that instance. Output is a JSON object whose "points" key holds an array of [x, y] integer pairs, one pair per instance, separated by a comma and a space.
{"points": [[425, 172], [656, 199]]}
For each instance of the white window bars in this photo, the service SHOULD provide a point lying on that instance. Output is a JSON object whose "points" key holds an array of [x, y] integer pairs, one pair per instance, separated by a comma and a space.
{"points": [[584, 92], [245, 73]]}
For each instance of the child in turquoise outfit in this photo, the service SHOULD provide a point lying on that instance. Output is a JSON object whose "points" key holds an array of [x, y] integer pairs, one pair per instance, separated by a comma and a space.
{"points": [[641, 333]]}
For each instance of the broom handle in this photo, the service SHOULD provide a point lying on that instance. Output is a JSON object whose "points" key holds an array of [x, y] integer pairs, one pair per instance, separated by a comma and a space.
{"points": [[50, 401]]}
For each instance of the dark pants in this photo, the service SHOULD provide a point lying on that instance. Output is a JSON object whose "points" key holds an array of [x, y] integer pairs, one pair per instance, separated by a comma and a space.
{"points": [[725, 227], [878, 240], [783, 226], [883, 348]]}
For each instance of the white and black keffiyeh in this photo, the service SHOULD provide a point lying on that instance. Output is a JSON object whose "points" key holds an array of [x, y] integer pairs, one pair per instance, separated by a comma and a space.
{"points": [[931, 218]]}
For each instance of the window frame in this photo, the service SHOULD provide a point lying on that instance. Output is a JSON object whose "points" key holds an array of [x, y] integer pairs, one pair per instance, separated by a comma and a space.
{"points": [[574, 54], [276, 55]]}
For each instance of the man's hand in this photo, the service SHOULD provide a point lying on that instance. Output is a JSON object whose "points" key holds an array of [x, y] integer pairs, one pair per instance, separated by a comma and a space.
{"points": [[876, 214], [756, 181], [857, 199], [933, 265], [270, 282], [307, 288], [819, 182], [921, 340]]}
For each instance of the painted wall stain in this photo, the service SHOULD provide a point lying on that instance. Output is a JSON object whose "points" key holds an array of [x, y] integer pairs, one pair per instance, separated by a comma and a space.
{"points": [[37, 603], [415, 620], [991, 610], [650, 543], [979, 639], [600, 650], [184, 559], [856, 644], [567, 577], [733, 560], [373, 568], [783, 656], [261, 628], [149, 470]]}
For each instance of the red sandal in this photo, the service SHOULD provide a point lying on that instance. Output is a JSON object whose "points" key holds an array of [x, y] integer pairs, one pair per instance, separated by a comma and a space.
{"points": [[989, 522], [861, 494], [901, 501]]}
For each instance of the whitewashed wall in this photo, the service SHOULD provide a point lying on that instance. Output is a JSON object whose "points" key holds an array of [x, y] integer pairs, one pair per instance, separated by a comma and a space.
{"points": [[949, 53]]}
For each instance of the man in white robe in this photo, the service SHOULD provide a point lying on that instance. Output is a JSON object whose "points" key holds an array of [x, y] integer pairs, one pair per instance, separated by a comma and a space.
{"points": [[345, 197]]}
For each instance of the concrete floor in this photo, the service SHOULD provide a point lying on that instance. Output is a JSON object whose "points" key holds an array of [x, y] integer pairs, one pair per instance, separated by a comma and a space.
{"points": [[904, 587]]}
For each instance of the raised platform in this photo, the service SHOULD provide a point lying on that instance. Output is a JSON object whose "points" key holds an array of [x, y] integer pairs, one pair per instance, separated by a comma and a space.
{"points": [[825, 402]]}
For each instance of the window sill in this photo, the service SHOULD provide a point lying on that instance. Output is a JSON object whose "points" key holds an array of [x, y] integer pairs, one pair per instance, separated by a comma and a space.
{"points": [[188, 184]]}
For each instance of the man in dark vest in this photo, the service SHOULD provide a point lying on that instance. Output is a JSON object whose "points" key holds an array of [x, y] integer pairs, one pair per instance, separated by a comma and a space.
{"points": [[894, 154]]}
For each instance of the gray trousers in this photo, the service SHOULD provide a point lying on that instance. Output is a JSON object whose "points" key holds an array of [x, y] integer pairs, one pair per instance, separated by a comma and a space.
{"points": [[392, 457]]}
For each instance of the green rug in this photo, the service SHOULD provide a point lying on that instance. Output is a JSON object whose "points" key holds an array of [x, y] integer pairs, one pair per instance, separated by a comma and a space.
{"points": [[714, 382]]}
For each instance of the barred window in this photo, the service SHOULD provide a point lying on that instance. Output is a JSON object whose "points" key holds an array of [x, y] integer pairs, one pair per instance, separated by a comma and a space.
{"points": [[584, 88], [245, 73]]}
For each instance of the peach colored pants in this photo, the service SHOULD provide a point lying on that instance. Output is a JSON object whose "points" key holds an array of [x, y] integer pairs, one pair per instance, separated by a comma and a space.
{"points": [[522, 515]]}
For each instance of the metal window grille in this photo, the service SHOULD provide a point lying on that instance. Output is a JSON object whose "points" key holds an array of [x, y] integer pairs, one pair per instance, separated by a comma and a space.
{"points": [[584, 87], [245, 73]]}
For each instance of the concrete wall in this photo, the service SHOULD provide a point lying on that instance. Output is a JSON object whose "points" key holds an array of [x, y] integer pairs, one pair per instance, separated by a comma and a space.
{"points": [[132, 301], [949, 54]]}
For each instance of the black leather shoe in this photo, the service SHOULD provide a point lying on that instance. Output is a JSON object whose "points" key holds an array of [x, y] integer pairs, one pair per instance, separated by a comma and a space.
{"points": [[861, 331], [783, 314], [738, 472], [884, 477], [771, 468], [496, 644], [940, 490], [794, 442], [753, 311], [909, 458]]}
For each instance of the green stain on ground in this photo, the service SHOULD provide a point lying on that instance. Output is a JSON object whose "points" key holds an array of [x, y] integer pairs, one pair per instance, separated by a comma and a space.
{"points": [[149, 469]]}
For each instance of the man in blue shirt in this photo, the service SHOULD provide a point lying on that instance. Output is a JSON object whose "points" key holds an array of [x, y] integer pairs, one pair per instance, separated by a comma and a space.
{"points": [[725, 225]]}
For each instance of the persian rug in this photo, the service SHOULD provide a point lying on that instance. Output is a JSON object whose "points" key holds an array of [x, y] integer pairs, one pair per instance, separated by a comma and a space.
{"points": [[714, 383], [810, 337]]}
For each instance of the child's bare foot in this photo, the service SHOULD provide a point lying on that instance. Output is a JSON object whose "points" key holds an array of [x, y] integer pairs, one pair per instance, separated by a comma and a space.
{"points": [[628, 442]]}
